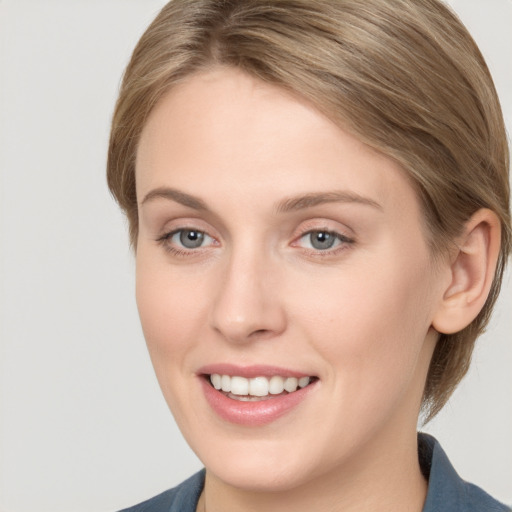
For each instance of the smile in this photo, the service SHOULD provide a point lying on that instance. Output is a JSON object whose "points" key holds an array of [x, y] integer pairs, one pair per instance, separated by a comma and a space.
{"points": [[257, 388], [256, 395]]}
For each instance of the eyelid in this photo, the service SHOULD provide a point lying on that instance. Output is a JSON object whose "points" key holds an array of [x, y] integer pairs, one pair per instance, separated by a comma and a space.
{"points": [[174, 225], [339, 236], [168, 233], [340, 232], [172, 234], [322, 224]]}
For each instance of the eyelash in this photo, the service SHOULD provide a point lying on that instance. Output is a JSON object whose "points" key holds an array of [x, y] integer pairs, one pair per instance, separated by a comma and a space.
{"points": [[165, 239], [343, 242]]}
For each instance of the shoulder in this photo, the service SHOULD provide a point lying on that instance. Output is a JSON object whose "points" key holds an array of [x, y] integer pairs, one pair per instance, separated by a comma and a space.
{"points": [[182, 498], [447, 491], [479, 500]]}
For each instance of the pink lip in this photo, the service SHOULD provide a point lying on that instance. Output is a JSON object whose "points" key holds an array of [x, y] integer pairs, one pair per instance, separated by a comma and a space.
{"points": [[250, 372], [251, 413]]}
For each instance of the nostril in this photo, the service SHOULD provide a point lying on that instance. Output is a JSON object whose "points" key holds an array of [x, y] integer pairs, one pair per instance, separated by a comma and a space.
{"points": [[259, 332]]}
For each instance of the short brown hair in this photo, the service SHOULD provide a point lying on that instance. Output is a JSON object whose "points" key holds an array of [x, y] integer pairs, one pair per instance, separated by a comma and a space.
{"points": [[404, 76]]}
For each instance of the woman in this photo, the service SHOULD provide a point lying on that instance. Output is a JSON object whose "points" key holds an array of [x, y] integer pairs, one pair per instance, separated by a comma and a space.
{"points": [[318, 198]]}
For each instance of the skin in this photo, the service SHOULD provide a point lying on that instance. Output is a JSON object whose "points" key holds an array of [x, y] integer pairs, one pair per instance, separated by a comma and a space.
{"points": [[358, 316]]}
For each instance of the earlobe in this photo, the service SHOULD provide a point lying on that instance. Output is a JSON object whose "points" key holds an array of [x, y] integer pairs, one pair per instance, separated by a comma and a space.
{"points": [[472, 271]]}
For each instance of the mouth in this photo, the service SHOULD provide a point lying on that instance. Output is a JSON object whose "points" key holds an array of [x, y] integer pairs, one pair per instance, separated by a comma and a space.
{"points": [[256, 395], [258, 388]]}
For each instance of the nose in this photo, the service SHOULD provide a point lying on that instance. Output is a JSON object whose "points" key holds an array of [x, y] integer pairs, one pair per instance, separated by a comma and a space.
{"points": [[247, 305]]}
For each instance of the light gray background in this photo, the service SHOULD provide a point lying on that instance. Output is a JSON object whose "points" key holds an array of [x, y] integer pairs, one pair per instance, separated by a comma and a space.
{"points": [[83, 425]]}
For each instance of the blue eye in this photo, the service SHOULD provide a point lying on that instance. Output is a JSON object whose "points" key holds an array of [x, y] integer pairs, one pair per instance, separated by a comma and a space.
{"points": [[189, 238], [322, 240]]}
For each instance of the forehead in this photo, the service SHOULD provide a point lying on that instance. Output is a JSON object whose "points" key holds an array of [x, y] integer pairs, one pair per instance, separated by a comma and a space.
{"points": [[223, 130]]}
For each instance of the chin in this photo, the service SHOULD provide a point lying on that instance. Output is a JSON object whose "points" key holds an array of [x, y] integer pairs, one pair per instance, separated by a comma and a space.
{"points": [[260, 465], [261, 477]]}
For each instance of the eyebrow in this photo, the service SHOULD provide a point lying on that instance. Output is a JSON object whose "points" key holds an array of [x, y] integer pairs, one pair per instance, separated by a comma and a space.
{"points": [[300, 202], [315, 199], [175, 195]]}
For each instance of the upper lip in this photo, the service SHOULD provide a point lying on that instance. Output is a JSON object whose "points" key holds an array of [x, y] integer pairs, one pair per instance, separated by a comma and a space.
{"points": [[251, 371]]}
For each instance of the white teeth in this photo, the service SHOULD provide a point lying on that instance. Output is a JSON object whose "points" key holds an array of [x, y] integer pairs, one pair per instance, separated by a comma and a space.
{"points": [[290, 384], [226, 383], [239, 386], [304, 381], [276, 385], [258, 386], [216, 380]]}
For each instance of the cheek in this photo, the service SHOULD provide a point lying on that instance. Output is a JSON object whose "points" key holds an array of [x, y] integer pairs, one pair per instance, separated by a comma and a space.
{"points": [[370, 323], [168, 310]]}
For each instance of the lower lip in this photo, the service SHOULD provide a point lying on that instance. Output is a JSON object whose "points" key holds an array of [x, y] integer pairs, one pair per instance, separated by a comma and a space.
{"points": [[253, 413]]}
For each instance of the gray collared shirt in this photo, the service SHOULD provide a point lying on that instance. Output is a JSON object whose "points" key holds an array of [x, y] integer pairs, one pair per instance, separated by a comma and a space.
{"points": [[447, 492]]}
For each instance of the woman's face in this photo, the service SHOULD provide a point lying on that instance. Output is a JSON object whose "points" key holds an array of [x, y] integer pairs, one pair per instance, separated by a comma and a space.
{"points": [[273, 244]]}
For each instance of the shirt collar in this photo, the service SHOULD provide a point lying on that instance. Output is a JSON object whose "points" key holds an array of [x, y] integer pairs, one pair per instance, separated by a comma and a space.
{"points": [[446, 490]]}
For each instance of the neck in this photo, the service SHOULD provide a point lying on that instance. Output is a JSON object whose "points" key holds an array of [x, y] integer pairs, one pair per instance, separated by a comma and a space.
{"points": [[385, 477]]}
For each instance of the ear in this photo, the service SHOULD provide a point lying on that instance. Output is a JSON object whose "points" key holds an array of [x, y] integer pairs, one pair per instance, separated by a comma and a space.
{"points": [[472, 269]]}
